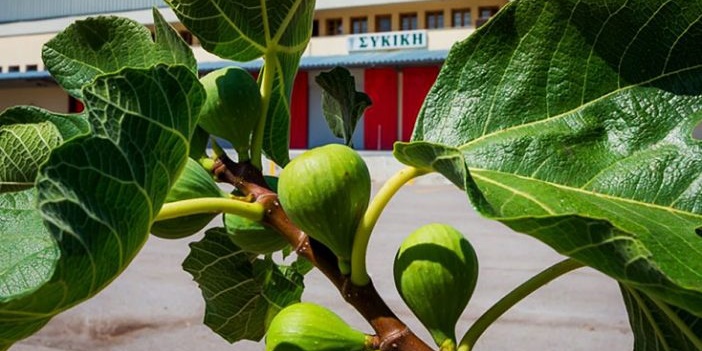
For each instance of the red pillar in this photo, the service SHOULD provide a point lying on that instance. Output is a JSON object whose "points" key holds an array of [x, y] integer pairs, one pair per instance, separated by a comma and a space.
{"points": [[380, 120], [299, 112], [416, 82]]}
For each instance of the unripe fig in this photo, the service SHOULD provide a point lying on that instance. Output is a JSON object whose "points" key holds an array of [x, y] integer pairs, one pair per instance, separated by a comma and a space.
{"points": [[309, 327], [192, 183], [325, 191], [253, 236], [435, 272], [232, 108]]}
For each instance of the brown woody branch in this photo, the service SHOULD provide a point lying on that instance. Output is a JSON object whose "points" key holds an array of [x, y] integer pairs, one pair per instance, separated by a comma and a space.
{"points": [[392, 334]]}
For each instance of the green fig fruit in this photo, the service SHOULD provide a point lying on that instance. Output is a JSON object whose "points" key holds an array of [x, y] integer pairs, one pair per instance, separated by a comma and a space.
{"points": [[435, 272], [232, 108], [325, 191], [192, 183], [309, 327], [253, 236]]}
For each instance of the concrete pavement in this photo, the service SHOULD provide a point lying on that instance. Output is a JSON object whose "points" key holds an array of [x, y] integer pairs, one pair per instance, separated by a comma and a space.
{"points": [[155, 305]]}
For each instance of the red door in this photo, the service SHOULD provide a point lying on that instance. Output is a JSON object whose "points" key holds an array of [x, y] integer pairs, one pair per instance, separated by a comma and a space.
{"points": [[75, 105], [380, 120], [416, 82], [299, 110]]}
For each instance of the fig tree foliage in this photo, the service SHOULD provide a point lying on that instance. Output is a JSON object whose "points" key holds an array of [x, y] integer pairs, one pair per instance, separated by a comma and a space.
{"points": [[568, 120]]}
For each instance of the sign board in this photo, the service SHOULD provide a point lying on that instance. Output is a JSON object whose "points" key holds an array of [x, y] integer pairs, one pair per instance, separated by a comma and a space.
{"points": [[411, 39]]}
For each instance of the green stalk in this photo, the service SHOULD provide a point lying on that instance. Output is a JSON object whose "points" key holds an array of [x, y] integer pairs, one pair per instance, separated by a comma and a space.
{"points": [[253, 211], [359, 273], [269, 69], [512, 298]]}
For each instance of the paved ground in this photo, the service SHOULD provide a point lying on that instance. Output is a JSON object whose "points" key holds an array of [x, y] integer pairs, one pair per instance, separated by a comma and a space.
{"points": [[155, 305]]}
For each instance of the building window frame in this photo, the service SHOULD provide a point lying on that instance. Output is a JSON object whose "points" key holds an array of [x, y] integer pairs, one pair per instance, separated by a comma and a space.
{"points": [[335, 26], [359, 25], [491, 11], [461, 18], [315, 28], [409, 21], [381, 21], [434, 19], [485, 13]]}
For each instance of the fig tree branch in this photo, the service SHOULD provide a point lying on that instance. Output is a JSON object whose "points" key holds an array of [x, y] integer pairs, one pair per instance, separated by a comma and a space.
{"points": [[393, 334]]}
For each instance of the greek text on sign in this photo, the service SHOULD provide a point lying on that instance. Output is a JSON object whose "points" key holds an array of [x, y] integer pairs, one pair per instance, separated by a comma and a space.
{"points": [[413, 39]]}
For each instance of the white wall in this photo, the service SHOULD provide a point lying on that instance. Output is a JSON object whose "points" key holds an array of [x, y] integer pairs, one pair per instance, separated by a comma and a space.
{"points": [[22, 51]]}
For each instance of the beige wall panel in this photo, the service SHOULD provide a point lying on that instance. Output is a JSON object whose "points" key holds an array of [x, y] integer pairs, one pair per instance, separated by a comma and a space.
{"points": [[51, 98], [325, 46], [22, 51], [26, 49], [442, 39]]}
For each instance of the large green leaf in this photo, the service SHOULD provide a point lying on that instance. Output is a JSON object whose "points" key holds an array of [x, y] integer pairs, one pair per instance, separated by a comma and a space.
{"points": [[28, 252], [98, 194], [100, 45], [242, 293], [660, 327], [574, 120], [27, 136], [277, 30], [75, 57]]}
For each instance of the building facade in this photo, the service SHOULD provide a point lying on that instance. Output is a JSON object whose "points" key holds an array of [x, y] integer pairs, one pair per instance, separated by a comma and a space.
{"points": [[394, 49]]}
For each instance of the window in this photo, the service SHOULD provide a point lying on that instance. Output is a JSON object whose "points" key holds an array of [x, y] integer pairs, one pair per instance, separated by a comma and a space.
{"points": [[13, 69], [335, 26], [315, 28], [359, 25], [32, 68], [408, 21], [383, 23], [485, 14], [461, 18], [435, 19]]}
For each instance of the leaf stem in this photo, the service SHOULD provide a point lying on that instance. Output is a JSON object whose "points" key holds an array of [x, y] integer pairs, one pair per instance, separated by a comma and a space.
{"points": [[694, 339], [359, 273], [252, 211], [512, 298], [268, 76]]}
